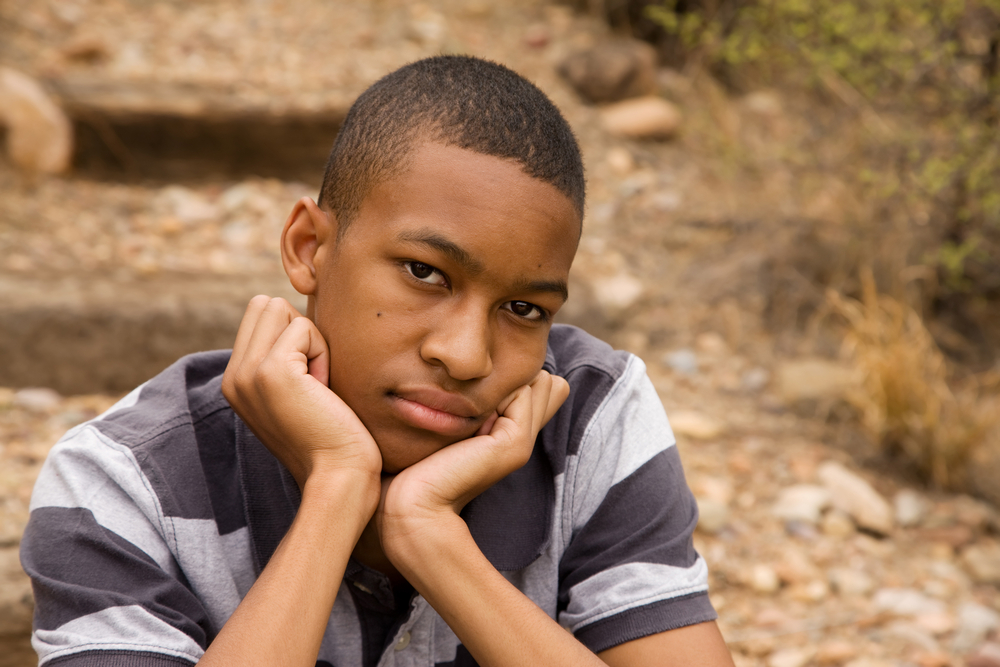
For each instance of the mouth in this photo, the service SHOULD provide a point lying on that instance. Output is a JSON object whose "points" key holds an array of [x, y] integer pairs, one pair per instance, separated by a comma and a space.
{"points": [[435, 411]]}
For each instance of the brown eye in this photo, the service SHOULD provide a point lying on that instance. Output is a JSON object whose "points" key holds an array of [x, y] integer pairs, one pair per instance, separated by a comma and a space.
{"points": [[425, 273], [528, 311]]}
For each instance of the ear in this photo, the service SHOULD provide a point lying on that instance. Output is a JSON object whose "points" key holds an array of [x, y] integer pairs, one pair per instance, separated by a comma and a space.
{"points": [[307, 229]]}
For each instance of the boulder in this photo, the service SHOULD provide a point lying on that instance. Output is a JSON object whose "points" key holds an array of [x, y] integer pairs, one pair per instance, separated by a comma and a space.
{"points": [[39, 135], [642, 118], [855, 497], [982, 561], [802, 502], [612, 71]]}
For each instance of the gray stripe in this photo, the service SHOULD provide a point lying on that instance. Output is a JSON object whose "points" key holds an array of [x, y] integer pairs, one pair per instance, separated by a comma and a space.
{"points": [[619, 589], [92, 472], [591, 367], [159, 429], [647, 620], [647, 517], [94, 570], [116, 629]]}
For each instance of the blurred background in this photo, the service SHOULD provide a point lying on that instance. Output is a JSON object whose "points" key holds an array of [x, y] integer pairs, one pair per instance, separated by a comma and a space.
{"points": [[793, 218]]}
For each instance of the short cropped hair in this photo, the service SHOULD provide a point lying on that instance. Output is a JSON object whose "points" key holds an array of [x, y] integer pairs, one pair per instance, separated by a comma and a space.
{"points": [[462, 101]]}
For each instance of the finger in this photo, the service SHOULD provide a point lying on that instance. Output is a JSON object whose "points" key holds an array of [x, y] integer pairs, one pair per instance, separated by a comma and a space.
{"points": [[558, 394], [299, 349], [247, 325], [488, 424], [271, 323]]}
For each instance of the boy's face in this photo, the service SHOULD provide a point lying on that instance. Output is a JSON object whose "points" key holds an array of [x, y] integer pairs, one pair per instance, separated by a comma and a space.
{"points": [[437, 301]]}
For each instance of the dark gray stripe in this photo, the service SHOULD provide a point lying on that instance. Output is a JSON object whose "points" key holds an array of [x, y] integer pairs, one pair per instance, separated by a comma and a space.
{"points": [[647, 620], [591, 368], [511, 520], [94, 569], [216, 438], [159, 429], [462, 659], [648, 517], [118, 659]]}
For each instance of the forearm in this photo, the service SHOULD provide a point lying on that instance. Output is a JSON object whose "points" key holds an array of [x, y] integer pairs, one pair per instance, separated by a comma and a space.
{"points": [[495, 621], [283, 617]]}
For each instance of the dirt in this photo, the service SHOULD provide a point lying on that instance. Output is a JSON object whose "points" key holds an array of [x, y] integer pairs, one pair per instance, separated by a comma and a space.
{"points": [[697, 255]]}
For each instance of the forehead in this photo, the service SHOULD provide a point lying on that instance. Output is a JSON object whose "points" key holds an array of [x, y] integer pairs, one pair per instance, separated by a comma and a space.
{"points": [[481, 198]]}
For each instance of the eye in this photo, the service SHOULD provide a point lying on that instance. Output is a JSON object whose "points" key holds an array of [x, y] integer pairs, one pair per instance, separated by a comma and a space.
{"points": [[425, 273], [528, 311]]}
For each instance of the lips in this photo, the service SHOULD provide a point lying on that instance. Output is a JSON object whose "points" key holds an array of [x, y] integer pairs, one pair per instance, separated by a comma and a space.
{"points": [[434, 410]]}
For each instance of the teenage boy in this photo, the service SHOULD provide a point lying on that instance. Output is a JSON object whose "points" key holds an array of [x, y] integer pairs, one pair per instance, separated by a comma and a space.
{"points": [[385, 492]]}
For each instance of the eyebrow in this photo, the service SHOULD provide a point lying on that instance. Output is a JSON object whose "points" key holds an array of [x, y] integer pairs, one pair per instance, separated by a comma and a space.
{"points": [[454, 252], [462, 257]]}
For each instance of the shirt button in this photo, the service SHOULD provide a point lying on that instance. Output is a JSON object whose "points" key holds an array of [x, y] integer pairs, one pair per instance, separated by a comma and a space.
{"points": [[403, 642]]}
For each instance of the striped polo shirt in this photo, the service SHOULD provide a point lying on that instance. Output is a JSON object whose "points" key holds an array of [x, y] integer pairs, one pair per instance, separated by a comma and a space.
{"points": [[151, 522]]}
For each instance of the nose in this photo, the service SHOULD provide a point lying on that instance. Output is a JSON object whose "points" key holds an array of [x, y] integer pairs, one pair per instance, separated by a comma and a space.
{"points": [[461, 341]]}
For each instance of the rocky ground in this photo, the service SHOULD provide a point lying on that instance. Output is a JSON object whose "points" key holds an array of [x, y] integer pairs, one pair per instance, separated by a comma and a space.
{"points": [[815, 558]]}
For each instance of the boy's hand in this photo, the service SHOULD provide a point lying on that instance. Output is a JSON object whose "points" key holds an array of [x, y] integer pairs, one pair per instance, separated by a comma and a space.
{"points": [[423, 496], [276, 381]]}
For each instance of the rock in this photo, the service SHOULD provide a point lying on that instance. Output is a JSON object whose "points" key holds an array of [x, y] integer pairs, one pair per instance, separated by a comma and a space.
{"points": [[812, 379], [620, 161], [837, 524], [849, 582], [763, 579], [934, 658], [936, 624], [790, 657], [975, 622], [426, 26], [910, 506], [39, 136], [854, 496], [835, 652], [906, 602], [813, 591], [713, 516], [537, 36], [987, 655], [612, 71], [695, 425], [37, 399], [910, 634], [802, 502], [982, 561], [617, 292], [642, 118], [682, 361], [711, 344], [754, 379]]}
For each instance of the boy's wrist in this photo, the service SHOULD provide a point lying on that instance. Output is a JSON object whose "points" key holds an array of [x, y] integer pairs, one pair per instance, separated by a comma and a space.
{"points": [[343, 489]]}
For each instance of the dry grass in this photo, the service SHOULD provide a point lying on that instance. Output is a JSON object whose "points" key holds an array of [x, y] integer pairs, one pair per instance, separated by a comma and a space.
{"points": [[908, 400]]}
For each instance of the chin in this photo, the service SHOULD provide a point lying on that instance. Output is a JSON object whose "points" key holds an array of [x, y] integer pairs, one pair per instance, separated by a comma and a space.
{"points": [[400, 453]]}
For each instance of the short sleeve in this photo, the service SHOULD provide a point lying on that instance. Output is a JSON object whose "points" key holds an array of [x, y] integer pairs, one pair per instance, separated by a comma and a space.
{"points": [[630, 568], [107, 588]]}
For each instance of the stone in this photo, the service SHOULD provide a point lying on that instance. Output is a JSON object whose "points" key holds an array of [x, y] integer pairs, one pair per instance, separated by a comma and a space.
{"points": [[974, 623], [620, 161], [937, 624], [936, 658], [611, 71], [618, 292], [713, 516], [850, 583], [711, 343], [910, 634], [813, 379], [39, 135], [763, 579], [837, 524], [37, 399], [790, 657], [695, 425], [835, 652], [537, 36], [854, 496], [802, 502], [682, 361], [426, 26], [754, 379], [911, 508], [906, 602], [986, 655], [982, 561], [642, 118], [813, 591]]}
